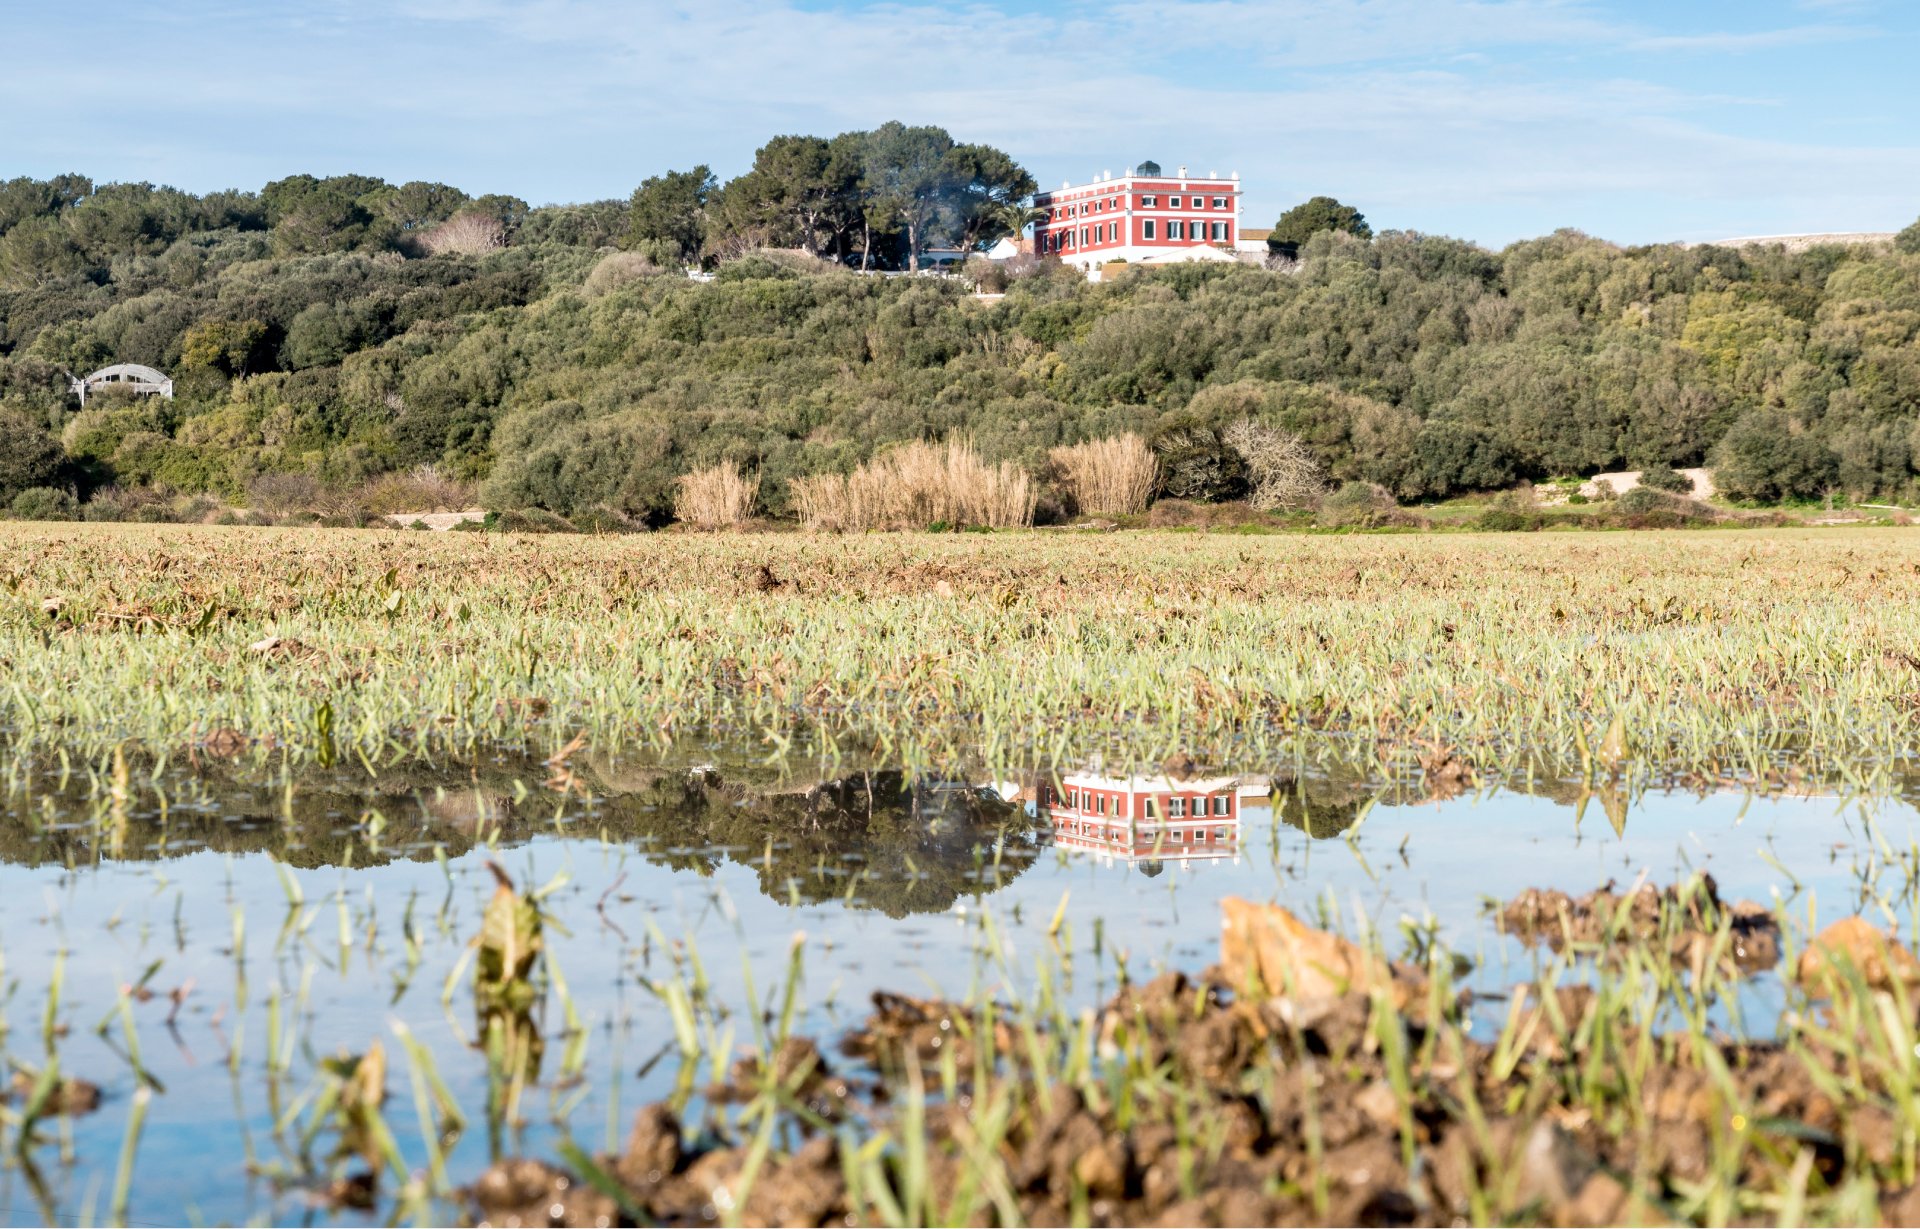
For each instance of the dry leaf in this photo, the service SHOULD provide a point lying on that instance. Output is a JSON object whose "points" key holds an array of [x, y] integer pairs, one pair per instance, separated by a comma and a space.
{"points": [[1880, 960], [1293, 960]]}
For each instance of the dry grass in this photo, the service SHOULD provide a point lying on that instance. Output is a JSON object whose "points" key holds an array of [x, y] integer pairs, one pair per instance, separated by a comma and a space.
{"points": [[1110, 477], [917, 485], [715, 498]]}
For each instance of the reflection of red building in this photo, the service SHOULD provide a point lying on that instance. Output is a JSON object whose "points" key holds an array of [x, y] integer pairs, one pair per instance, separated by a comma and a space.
{"points": [[1145, 818], [1136, 216]]}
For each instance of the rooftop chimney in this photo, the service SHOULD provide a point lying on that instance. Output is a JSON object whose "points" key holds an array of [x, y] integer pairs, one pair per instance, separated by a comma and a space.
{"points": [[1183, 172]]}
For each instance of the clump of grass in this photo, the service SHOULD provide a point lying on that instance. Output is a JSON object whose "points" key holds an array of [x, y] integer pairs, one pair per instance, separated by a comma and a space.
{"points": [[1109, 477], [717, 497], [917, 485]]}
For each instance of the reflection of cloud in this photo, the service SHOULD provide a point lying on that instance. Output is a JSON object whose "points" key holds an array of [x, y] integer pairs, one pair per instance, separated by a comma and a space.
{"points": [[1489, 118]]}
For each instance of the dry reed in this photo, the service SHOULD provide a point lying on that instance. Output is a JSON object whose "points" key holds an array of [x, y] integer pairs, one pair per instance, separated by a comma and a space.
{"points": [[716, 497], [917, 485], [1110, 477]]}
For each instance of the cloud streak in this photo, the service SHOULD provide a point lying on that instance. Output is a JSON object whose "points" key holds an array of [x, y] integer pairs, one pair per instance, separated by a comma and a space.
{"points": [[1488, 118]]}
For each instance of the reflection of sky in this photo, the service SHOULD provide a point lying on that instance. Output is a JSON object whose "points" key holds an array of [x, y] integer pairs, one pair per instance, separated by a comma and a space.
{"points": [[117, 919]]}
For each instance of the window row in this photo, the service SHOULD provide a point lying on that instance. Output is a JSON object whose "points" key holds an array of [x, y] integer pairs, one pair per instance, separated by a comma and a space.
{"points": [[1150, 231], [1172, 836], [1177, 807], [1149, 201]]}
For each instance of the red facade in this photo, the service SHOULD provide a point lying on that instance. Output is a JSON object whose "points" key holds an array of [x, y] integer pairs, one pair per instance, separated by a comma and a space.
{"points": [[1135, 216]]}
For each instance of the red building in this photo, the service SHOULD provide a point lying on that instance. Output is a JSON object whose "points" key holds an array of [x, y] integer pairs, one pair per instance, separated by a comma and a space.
{"points": [[1138, 819], [1137, 216]]}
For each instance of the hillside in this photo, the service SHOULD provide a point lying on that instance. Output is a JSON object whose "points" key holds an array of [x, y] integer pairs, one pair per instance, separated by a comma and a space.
{"points": [[546, 365]]}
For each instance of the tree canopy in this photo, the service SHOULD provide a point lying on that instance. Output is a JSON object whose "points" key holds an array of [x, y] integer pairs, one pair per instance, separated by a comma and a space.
{"points": [[320, 339], [1309, 218]]}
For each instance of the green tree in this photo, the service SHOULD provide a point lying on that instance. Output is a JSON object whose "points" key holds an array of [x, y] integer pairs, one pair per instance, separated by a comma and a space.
{"points": [[231, 347], [989, 187], [671, 210], [1908, 240], [1305, 220], [29, 455], [908, 176]]}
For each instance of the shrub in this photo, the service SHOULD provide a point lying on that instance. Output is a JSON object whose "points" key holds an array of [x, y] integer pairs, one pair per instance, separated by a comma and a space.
{"points": [[1196, 464], [715, 497], [44, 503], [421, 489], [914, 486], [1361, 505], [1110, 477], [29, 455], [1663, 477], [615, 270], [1765, 460], [1511, 512], [1282, 468], [527, 520], [280, 494], [1646, 508]]}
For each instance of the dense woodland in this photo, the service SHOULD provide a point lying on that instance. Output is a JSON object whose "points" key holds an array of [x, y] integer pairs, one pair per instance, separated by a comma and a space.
{"points": [[327, 335]]}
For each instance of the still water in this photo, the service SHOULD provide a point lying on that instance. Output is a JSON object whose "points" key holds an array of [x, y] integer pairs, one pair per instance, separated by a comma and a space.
{"points": [[217, 934]]}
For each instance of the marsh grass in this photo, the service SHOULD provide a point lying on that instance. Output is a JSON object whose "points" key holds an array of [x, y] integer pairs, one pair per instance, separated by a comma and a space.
{"points": [[915, 485], [715, 498], [1767, 658], [1107, 477]]}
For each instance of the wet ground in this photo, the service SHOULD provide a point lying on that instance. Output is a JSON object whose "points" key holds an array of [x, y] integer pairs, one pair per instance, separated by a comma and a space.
{"points": [[215, 933]]}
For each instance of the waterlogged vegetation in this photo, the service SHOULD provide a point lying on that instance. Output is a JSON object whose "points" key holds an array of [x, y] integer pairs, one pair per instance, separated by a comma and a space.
{"points": [[1747, 656], [357, 877]]}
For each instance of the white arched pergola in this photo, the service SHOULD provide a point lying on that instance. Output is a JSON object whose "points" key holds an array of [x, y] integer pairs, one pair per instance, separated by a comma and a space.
{"points": [[124, 375]]}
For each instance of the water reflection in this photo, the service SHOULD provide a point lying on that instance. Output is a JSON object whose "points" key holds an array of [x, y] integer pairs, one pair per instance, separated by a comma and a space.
{"points": [[1148, 821]]}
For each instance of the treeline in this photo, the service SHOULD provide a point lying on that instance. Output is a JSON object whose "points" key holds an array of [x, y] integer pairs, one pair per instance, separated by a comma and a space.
{"points": [[343, 339]]}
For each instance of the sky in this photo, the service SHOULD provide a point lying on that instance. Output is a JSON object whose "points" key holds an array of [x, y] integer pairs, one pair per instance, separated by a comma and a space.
{"points": [[1491, 120]]}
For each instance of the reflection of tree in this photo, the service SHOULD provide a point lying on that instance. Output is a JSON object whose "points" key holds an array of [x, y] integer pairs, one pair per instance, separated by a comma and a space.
{"points": [[903, 847]]}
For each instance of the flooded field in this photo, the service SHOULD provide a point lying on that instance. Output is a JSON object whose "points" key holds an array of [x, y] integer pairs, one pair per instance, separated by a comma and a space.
{"points": [[213, 946], [775, 879]]}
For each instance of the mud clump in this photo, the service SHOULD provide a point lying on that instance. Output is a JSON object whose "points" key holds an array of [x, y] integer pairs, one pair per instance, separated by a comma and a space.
{"points": [[1687, 919], [1304, 1080]]}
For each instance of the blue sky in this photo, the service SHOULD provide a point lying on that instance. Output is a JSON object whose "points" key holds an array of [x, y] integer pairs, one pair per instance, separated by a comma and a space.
{"points": [[1488, 119]]}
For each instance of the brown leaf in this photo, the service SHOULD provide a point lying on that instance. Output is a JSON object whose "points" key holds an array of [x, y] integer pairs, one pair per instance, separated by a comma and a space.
{"points": [[1293, 960], [1857, 942]]}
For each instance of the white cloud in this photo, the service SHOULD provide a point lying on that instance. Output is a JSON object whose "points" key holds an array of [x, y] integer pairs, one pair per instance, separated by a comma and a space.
{"points": [[1490, 118]]}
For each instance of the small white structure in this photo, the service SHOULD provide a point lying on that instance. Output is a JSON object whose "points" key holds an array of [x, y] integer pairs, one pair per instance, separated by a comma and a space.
{"points": [[143, 380], [1007, 247], [1253, 240]]}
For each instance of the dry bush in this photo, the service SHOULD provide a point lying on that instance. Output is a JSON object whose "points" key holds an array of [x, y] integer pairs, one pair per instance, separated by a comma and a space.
{"points": [[916, 485], [1281, 467], [1110, 477], [421, 489], [615, 270], [279, 494], [716, 497], [465, 234]]}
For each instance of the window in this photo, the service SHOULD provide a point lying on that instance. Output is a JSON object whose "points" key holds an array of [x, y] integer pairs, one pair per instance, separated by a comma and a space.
{"points": [[1219, 232], [1147, 202], [1173, 202], [1100, 233], [1219, 202], [1220, 804], [1153, 808], [1176, 808], [1146, 229]]}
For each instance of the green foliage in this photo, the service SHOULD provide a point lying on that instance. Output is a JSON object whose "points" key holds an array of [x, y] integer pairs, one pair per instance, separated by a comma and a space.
{"points": [[29, 455], [1311, 217], [1662, 477], [1908, 240], [41, 503], [668, 214], [307, 336], [1764, 459]]}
